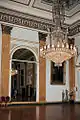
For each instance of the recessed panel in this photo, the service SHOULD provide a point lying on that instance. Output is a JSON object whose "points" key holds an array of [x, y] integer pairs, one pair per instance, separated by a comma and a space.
{"points": [[26, 2], [69, 3], [42, 5]]}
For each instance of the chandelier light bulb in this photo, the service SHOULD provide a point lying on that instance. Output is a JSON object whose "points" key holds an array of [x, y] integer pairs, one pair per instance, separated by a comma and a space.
{"points": [[45, 47], [71, 46], [48, 46], [75, 48], [52, 45], [62, 45], [41, 49], [58, 44], [67, 45]]}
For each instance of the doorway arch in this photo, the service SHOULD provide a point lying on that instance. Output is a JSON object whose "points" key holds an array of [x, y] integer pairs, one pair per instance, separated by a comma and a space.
{"points": [[26, 55]]}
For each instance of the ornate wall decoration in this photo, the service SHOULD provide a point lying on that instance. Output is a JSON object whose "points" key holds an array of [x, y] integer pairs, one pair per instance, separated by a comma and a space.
{"points": [[31, 21], [74, 28], [24, 20], [15, 44]]}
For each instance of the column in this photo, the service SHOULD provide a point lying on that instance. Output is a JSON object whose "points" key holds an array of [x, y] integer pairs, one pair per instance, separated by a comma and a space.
{"points": [[42, 72], [0, 55], [72, 72], [5, 60]]}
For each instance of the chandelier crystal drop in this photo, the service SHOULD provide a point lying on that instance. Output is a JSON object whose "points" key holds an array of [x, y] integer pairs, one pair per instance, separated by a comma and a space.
{"points": [[57, 48]]}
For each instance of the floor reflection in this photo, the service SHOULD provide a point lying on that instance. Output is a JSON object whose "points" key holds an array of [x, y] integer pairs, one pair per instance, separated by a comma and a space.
{"points": [[46, 112]]}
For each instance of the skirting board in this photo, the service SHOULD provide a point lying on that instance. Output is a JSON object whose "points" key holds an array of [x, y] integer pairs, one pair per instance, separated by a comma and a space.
{"points": [[12, 104]]}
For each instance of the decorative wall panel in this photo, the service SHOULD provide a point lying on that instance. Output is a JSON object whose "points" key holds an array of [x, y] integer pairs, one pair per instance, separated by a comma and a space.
{"points": [[25, 2]]}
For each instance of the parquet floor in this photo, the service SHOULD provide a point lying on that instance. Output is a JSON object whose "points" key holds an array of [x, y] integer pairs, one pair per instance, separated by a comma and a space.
{"points": [[44, 112]]}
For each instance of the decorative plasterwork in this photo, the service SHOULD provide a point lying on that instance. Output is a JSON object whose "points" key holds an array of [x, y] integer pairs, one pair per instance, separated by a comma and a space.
{"points": [[15, 47], [39, 4], [26, 20], [38, 23], [69, 3], [74, 28], [24, 2], [14, 40], [24, 15]]}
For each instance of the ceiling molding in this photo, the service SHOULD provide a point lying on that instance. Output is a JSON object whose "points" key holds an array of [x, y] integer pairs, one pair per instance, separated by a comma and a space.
{"points": [[38, 7], [74, 28], [31, 23], [26, 20], [37, 23], [27, 4], [48, 2], [70, 4]]}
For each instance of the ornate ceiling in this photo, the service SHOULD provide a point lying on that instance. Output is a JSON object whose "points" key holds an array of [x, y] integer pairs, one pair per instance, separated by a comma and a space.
{"points": [[39, 3], [69, 3], [44, 5], [37, 14]]}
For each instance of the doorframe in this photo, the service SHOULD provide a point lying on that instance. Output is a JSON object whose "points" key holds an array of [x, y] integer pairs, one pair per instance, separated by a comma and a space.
{"points": [[37, 63]]}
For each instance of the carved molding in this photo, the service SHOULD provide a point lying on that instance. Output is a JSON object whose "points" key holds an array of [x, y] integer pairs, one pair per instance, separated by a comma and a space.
{"points": [[74, 28], [21, 2], [23, 15], [74, 31], [70, 4], [26, 20], [6, 29], [15, 47], [23, 40]]}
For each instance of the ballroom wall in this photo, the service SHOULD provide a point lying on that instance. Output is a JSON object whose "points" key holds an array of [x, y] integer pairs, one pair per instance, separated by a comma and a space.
{"points": [[29, 39], [53, 92], [0, 54], [24, 38], [77, 72]]}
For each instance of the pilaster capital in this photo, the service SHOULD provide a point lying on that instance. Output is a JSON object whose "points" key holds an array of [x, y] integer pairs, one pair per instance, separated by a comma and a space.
{"points": [[42, 38], [6, 29]]}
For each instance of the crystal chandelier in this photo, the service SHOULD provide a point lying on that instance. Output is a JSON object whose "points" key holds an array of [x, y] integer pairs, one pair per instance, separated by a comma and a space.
{"points": [[56, 47]]}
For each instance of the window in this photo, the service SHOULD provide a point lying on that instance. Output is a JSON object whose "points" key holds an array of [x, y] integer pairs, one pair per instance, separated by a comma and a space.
{"points": [[57, 74]]}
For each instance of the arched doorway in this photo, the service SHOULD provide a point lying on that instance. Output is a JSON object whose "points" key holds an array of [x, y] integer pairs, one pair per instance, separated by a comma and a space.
{"points": [[23, 84]]}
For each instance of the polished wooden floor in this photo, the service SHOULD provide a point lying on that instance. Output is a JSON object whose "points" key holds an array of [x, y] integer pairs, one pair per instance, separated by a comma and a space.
{"points": [[46, 112]]}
